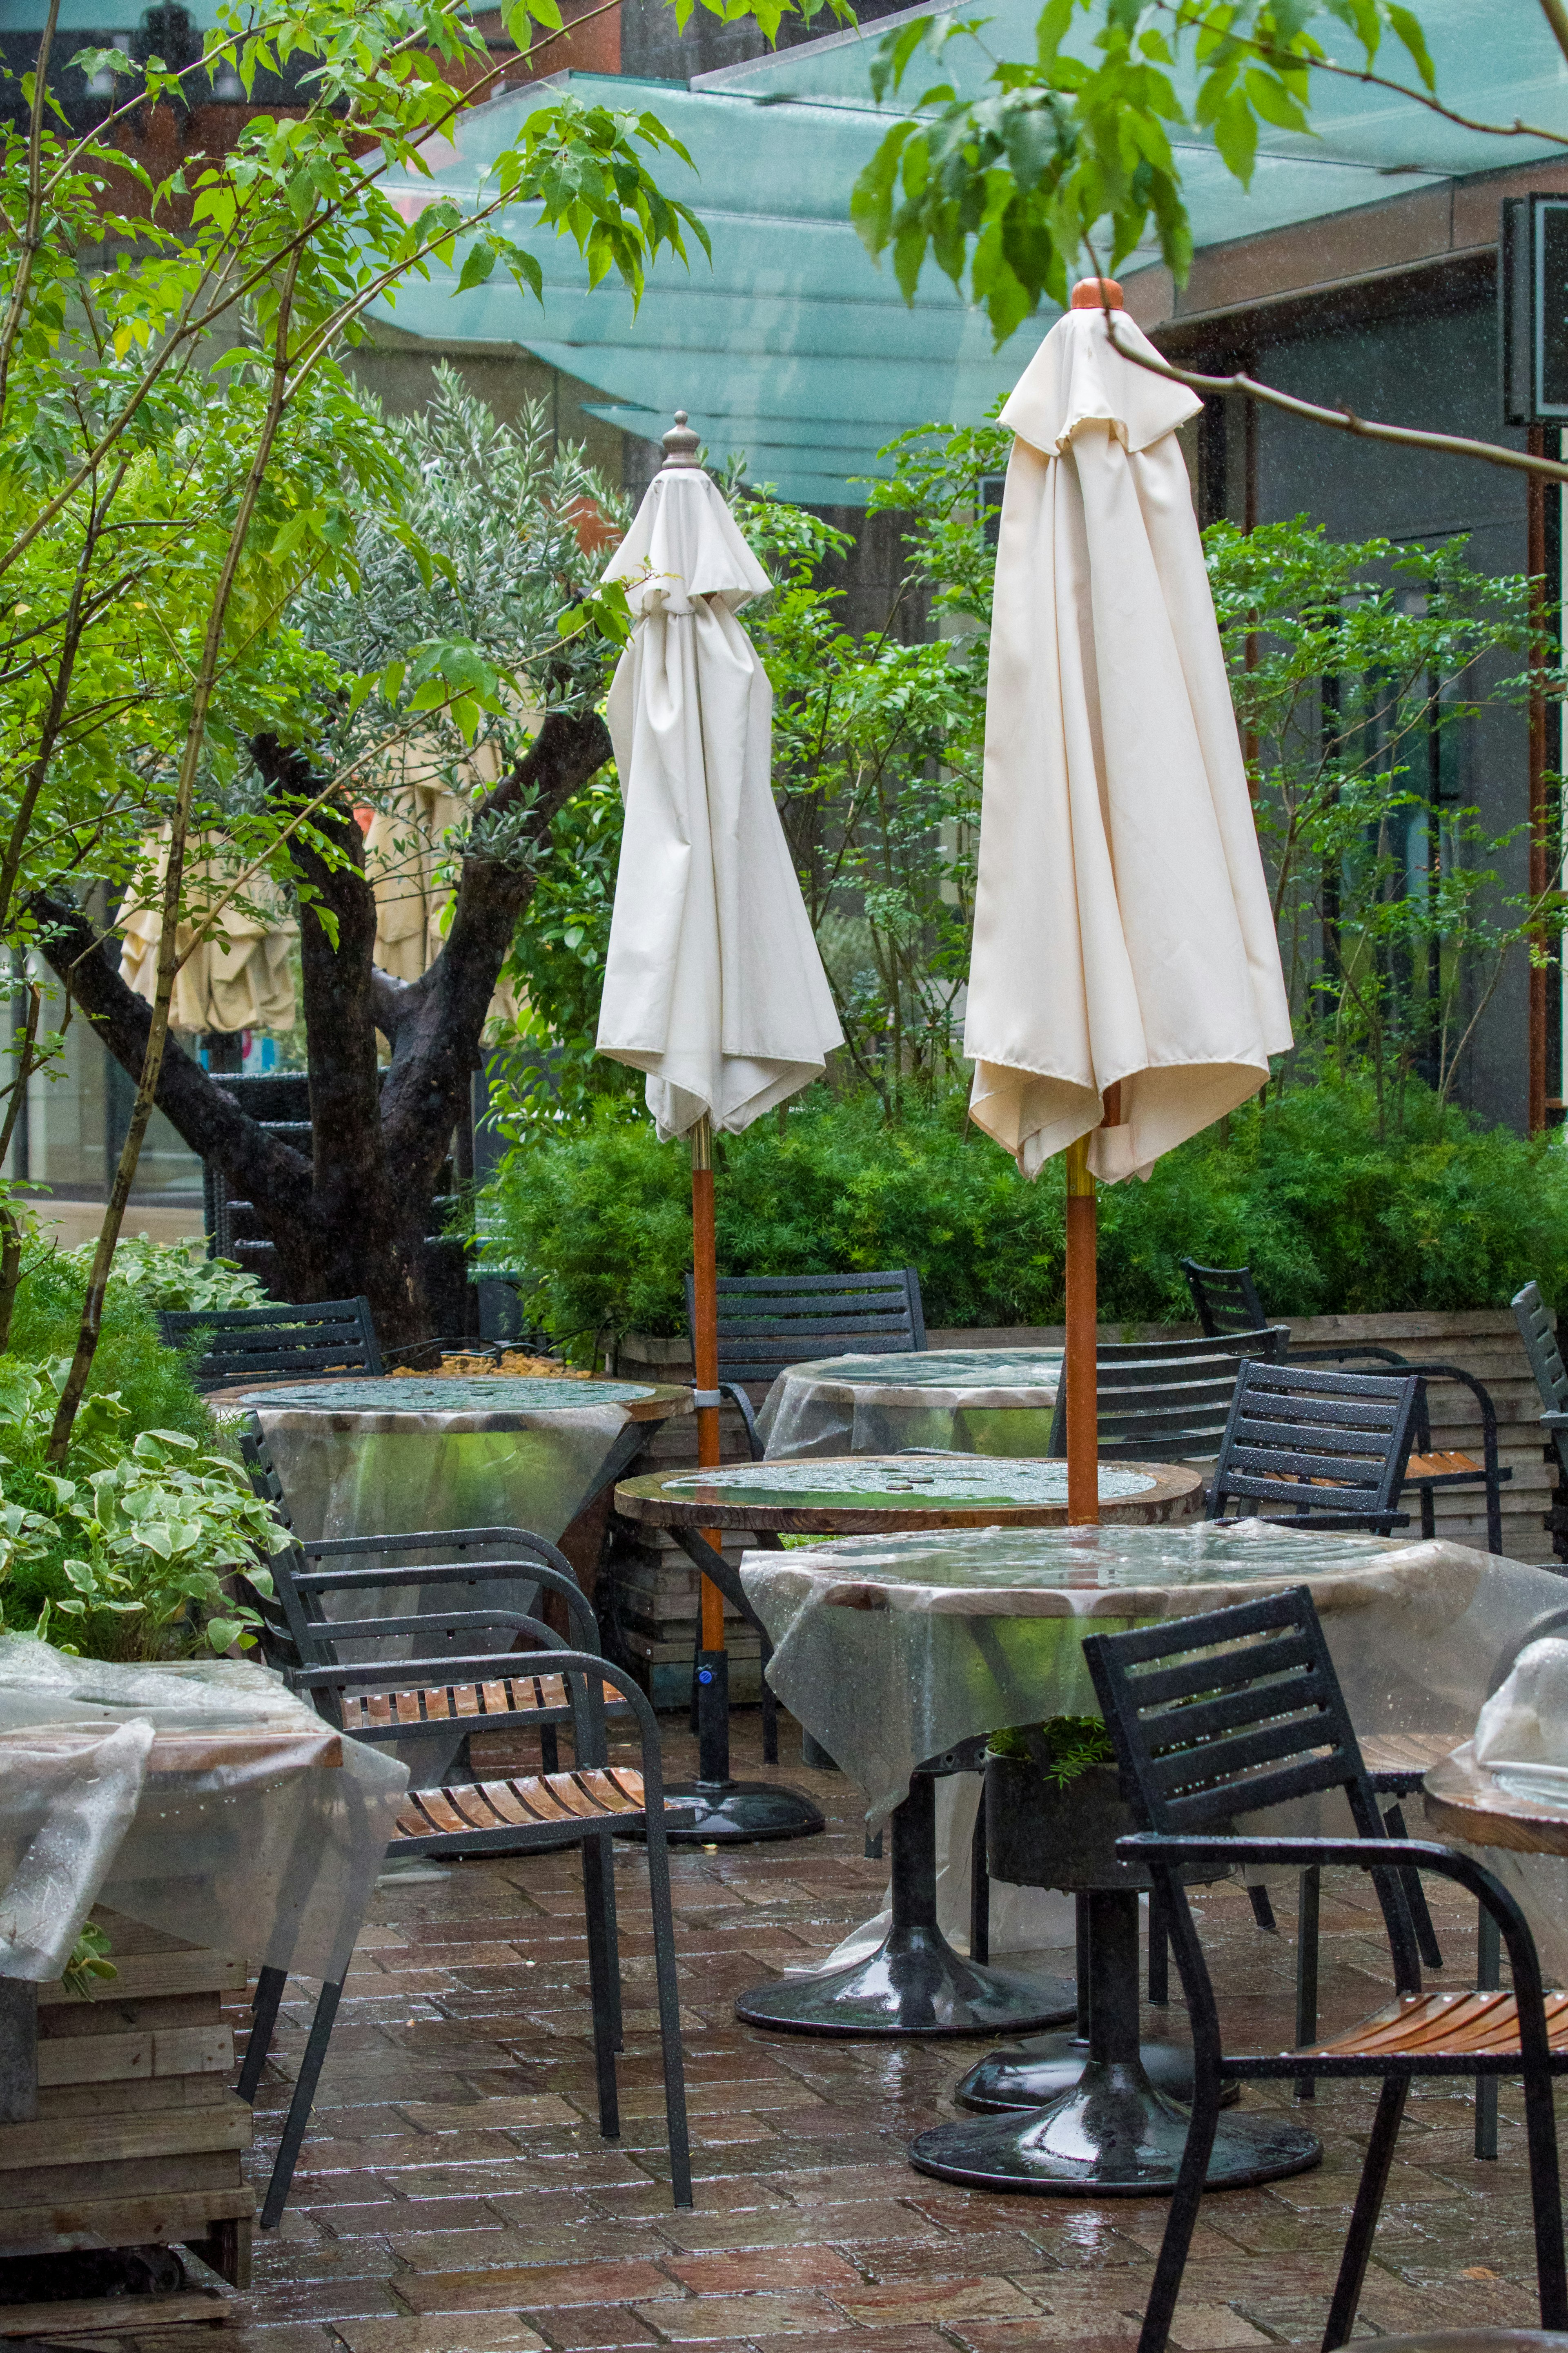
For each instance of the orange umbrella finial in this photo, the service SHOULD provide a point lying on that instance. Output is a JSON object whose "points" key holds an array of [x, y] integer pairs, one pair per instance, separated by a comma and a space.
{"points": [[1096, 294]]}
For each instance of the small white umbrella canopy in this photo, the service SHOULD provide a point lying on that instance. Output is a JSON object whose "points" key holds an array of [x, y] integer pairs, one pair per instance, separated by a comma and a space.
{"points": [[712, 985], [1123, 928]]}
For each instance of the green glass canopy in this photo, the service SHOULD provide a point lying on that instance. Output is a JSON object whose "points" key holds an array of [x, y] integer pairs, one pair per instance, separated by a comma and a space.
{"points": [[797, 351]]}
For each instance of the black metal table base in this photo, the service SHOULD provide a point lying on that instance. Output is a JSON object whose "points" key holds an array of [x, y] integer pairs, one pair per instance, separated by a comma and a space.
{"points": [[1045, 2066], [914, 1983], [1112, 2134]]}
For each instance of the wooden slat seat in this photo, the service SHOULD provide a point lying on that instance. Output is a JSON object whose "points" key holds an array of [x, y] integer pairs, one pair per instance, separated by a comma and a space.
{"points": [[513, 1696], [1446, 2026], [1408, 1752], [542, 1800], [1446, 1462]]}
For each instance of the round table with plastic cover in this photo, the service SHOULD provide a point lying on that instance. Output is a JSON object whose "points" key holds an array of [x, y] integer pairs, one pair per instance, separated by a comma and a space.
{"points": [[968, 1400], [891, 1650], [934, 1991]]}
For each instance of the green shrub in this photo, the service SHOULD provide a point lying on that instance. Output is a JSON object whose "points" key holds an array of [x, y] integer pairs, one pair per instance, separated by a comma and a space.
{"points": [[152, 1382], [1330, 1216]]}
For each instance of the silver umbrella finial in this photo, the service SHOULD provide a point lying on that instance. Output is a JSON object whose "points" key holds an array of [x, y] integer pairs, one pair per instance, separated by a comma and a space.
{"points": [[681, 444]]}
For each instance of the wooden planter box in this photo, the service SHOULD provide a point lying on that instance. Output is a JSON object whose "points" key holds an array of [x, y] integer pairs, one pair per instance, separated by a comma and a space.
{"points": [[658, 1587], [139, 2132]]}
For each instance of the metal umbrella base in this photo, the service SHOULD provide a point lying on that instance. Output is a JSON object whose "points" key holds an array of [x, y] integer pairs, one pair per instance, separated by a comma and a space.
{"points": [[717, 1811], [1113, 2135], [914, 1983]]}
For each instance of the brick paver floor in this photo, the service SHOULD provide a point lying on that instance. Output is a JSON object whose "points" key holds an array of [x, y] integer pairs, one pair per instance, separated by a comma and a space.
{"points": [[455, 2196]]}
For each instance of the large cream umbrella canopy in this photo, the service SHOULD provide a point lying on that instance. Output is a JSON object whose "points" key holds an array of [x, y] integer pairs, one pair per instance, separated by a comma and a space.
{"points": [[1125, 967], [1123, 928], [713, 985]]}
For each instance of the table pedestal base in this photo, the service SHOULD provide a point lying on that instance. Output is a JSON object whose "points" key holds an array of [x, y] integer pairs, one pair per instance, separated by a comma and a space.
{"points": [[1045, 2066], [914, 1983], [1113, 2135]]}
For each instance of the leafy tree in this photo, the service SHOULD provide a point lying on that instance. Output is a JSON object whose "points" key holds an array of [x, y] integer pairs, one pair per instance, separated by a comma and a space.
{"points": [[182, 460]]}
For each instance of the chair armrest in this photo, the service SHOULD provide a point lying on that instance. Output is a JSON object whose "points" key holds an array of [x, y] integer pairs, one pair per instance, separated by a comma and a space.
{"points": [[736, 1394], [1555, 1420], [1371, 1854], [316, 1582], [1327, 1355]]}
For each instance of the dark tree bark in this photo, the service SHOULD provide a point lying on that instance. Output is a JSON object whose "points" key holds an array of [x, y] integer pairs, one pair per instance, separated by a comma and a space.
{"points": [[353, 1219]]}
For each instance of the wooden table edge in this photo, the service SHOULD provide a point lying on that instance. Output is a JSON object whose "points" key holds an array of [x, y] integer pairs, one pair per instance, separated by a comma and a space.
{"points": [[1173, 1484]]}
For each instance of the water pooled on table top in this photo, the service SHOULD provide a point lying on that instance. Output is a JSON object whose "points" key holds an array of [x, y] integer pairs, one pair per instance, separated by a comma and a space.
{"points": [[965, 1481], [940, 1368], [1204, 1553]]}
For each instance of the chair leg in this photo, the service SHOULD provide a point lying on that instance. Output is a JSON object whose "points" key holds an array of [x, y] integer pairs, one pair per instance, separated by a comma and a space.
{"points": [[669, 2018], [297, 2120], [1415, 1896], [603, 1967], [1546, 2200], [1364, 2218], [1488, 1977], [1308, 1897], [269, 1987], [979, 1891], [1428, 1514], [1181, 2220], [770, 1710], [1159, 1949], [1262, 1910]]}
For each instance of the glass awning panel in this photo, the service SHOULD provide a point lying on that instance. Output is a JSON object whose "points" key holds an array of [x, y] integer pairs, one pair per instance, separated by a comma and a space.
{"points": [[794, 350]]}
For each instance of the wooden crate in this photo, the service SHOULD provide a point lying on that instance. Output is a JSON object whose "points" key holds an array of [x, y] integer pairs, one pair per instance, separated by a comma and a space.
{"points": [[139, 2132]]}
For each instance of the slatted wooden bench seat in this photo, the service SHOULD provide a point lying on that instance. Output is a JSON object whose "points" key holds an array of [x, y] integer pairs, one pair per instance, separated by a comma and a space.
{"points": [[480, 1812], [542, 1697]]}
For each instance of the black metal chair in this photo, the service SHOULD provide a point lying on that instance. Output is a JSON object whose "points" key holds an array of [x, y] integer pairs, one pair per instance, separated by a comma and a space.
{"points": [[1538, 1330], [296, 1632], [261, 1345], [1240, 1709], [1165, 1400], [767, 1322], [586, 1806], [1226, 1301], [1333, 1445]]}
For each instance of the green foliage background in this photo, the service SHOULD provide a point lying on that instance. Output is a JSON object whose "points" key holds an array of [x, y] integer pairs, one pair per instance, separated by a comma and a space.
{"points": [[1331, 1215]]}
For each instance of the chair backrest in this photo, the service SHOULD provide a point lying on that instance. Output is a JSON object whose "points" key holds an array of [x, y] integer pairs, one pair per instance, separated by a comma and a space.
{"points": [[1231, 1711], [1330, 1446], [253, 1345], [1225, 1296], [1167, 1400], [769, 1321], [1538, 1330]]}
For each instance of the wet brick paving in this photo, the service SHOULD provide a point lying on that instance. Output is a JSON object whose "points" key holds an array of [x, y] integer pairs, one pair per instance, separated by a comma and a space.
{"points": [[455, 2196]]}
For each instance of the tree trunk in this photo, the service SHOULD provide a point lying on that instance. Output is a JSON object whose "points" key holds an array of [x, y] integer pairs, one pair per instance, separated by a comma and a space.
{"points": [[352, 1219]]}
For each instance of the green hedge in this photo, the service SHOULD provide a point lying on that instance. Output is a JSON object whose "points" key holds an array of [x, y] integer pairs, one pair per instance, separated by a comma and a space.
{"points": [[1331, 1217]]}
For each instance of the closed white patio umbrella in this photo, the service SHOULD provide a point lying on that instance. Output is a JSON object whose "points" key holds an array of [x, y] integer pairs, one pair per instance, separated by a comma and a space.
{"points": [[1125, 988], [713, 985]]}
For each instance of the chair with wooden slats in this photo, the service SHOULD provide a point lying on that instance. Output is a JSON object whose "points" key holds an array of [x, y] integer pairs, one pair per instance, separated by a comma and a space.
{"points": [[769, 1322], [1332, 1446], [302, 1627], [258, 1346], [512, 1814], [1240, 1709], [1225, 1297]]}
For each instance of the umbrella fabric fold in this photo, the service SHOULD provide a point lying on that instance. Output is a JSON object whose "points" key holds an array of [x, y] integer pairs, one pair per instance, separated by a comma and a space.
{"points": [[241, 977], [713, 985], [1124, 931]]}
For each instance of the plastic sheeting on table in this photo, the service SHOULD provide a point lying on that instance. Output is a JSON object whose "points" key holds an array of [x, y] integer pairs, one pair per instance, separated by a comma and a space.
{"points": [[197, 1796], [892, 1648], [972, 1400]]}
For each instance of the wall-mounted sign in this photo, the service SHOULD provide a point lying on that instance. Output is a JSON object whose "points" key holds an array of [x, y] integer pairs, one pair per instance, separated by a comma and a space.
{"points": [[1532, 310]]}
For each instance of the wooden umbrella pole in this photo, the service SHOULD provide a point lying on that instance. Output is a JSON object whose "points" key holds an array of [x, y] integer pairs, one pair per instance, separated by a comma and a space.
{"points": [[705, 1350], [1078, 1367]]}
